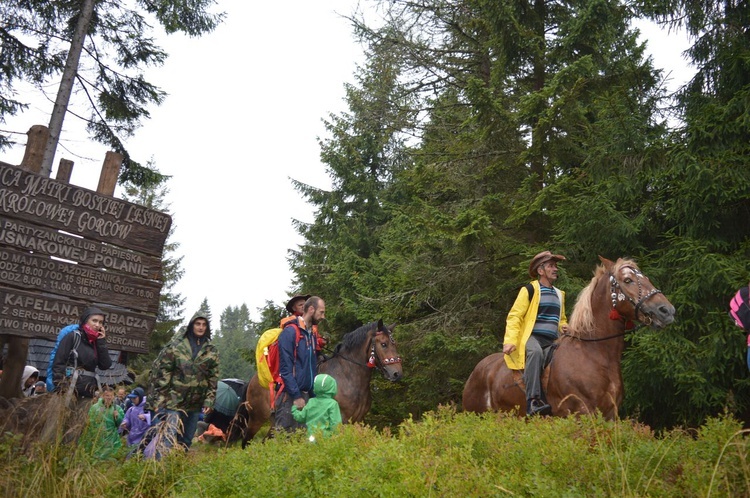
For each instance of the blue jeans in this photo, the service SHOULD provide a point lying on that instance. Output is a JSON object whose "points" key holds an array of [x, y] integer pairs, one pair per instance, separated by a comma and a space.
{"points": [[183, 425], [178, 426]]}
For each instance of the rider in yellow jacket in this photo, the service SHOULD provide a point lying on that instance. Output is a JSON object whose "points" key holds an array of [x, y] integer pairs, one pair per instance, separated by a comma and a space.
{"points": [[522, 319]]}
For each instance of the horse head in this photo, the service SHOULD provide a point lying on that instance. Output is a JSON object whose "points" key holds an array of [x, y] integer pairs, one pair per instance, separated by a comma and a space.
{"points": [[383, 352], [634, 297]]}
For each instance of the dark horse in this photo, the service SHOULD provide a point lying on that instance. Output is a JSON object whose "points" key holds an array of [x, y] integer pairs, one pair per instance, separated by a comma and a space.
{"points": [[361, 351], [585, 373]]}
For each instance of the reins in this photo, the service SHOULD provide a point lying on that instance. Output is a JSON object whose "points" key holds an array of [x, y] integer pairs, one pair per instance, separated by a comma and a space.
{"points": [[606, 338]]}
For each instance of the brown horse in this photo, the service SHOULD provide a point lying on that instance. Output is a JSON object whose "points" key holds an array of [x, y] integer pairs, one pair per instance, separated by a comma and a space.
{"points": [[352, 364], [584, 374]]}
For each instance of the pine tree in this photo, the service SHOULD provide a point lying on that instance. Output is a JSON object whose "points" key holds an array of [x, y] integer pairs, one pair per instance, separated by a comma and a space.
{"points": [[527, 113], [338, 259], [170, 313], [697, 368], [100, 48], [235, 341]]}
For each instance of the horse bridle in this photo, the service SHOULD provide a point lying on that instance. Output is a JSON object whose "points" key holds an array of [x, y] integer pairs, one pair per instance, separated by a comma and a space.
{"points": [[617, 294], [373, 360]]}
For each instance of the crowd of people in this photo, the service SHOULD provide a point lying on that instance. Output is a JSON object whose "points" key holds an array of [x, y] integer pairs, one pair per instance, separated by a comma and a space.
{"points": [[182, 387], [181, 390]]}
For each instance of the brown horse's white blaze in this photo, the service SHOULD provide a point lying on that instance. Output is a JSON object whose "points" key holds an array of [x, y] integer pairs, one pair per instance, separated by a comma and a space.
{"points": [[585, 373], [369, 348]]}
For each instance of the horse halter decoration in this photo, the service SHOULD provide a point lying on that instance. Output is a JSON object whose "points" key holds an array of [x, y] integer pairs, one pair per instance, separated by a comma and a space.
{"points": [[618, 294], [374, 360]]}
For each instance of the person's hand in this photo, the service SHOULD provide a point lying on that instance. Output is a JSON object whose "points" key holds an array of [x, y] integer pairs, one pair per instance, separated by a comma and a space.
{"points": [[565, 329], [299, 403], [207, 410], [508, 348], [142, 416], [102, 332]]}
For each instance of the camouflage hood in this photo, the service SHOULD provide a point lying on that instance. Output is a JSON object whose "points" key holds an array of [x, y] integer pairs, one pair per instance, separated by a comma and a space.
{"points": [[199, 314]]}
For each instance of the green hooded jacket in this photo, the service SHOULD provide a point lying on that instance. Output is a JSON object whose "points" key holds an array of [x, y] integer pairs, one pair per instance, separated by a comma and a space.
{"points": [[101, 437], [185, 373], [321, 412]]}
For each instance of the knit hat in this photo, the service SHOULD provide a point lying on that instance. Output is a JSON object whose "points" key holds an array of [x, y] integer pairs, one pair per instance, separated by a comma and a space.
{"points": [[89, 312]]}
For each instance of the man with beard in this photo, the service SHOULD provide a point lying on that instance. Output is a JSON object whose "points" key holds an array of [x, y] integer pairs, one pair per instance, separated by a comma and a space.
{"points": [[297, 363]]}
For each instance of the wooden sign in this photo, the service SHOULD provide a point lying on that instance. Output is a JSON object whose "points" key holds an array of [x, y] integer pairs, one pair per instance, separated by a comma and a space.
{"points": [[44, 201], [41, 240], [36, 272], [38, 315]]}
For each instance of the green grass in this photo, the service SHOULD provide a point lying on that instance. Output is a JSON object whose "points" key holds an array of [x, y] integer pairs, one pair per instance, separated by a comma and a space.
{"points": [[444, 454]]}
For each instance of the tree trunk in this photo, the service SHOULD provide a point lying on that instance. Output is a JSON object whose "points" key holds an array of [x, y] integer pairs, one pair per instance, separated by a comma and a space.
{"points": [[66, 85]]}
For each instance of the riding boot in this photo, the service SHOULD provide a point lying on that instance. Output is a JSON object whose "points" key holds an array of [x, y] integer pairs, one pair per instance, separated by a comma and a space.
{"points": [[536, 406]]}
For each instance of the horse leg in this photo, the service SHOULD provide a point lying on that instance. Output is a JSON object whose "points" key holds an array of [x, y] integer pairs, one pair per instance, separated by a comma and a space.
{"points": [[238, 424], [258, 408]]}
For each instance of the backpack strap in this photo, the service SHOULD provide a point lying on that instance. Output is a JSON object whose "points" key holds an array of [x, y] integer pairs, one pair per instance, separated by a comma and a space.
{"points": [[530, 290], [74, 351]]}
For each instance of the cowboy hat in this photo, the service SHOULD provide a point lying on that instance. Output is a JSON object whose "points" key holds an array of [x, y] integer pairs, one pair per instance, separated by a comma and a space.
{"points": [[540, 259], [294, 299]]}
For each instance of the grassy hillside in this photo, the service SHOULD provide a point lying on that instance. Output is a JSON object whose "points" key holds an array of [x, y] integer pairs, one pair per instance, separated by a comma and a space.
{"points": [[445, 454]]}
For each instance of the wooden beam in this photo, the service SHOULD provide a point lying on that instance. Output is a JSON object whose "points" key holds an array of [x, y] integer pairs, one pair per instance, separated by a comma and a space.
{"points": [[35, 144], [110, 172], [64, 171]]}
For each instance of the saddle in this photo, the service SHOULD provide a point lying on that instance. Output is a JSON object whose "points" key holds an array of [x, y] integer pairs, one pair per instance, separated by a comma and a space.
{"points": [[518, 374]]}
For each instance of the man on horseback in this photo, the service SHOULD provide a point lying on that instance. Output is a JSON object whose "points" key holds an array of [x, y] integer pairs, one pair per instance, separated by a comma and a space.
{"points": [[297, 363], [533, 325]]}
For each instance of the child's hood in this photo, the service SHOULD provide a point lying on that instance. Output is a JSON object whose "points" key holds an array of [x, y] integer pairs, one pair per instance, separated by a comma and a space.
{"points": [[325, 386]]}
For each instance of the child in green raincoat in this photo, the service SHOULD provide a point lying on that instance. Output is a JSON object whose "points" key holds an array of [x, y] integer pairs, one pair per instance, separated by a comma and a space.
{"points": [[321, 412], [101, 437]]}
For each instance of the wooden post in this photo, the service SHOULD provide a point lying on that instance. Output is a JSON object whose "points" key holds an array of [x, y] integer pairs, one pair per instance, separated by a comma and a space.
{"points": [[64, 170], [110, 172], [18, 346], [35, 144]]}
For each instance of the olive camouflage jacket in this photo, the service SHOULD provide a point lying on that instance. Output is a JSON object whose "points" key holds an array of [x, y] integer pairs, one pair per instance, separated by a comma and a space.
{"points": [[180, 381]]}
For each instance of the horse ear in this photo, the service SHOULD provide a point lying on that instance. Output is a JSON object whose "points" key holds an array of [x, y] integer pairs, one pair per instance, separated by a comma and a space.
{"points": [[380, 324], [606, 262], [392, 327]]}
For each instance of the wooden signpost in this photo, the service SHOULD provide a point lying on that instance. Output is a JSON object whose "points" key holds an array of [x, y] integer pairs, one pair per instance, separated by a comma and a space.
{"points": [[64, 247]]}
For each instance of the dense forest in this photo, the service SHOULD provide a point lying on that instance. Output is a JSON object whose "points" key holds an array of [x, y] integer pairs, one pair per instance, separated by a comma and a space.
{"points": [[479, 133]]}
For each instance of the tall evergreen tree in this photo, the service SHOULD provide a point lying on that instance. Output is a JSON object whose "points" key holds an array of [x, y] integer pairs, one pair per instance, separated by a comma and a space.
{"points": [[235, 341], [204, 309], [531, 116], [170, 313], [703, 198], [338, 259], [99, 47], [533, 108]]}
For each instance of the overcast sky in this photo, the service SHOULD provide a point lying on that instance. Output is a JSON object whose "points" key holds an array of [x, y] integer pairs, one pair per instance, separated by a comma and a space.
{"points": [[243, 116]]}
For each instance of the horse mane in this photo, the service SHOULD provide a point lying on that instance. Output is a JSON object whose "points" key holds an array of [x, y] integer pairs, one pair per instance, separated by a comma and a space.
{"points": [[355, 338], [582, 319]]}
